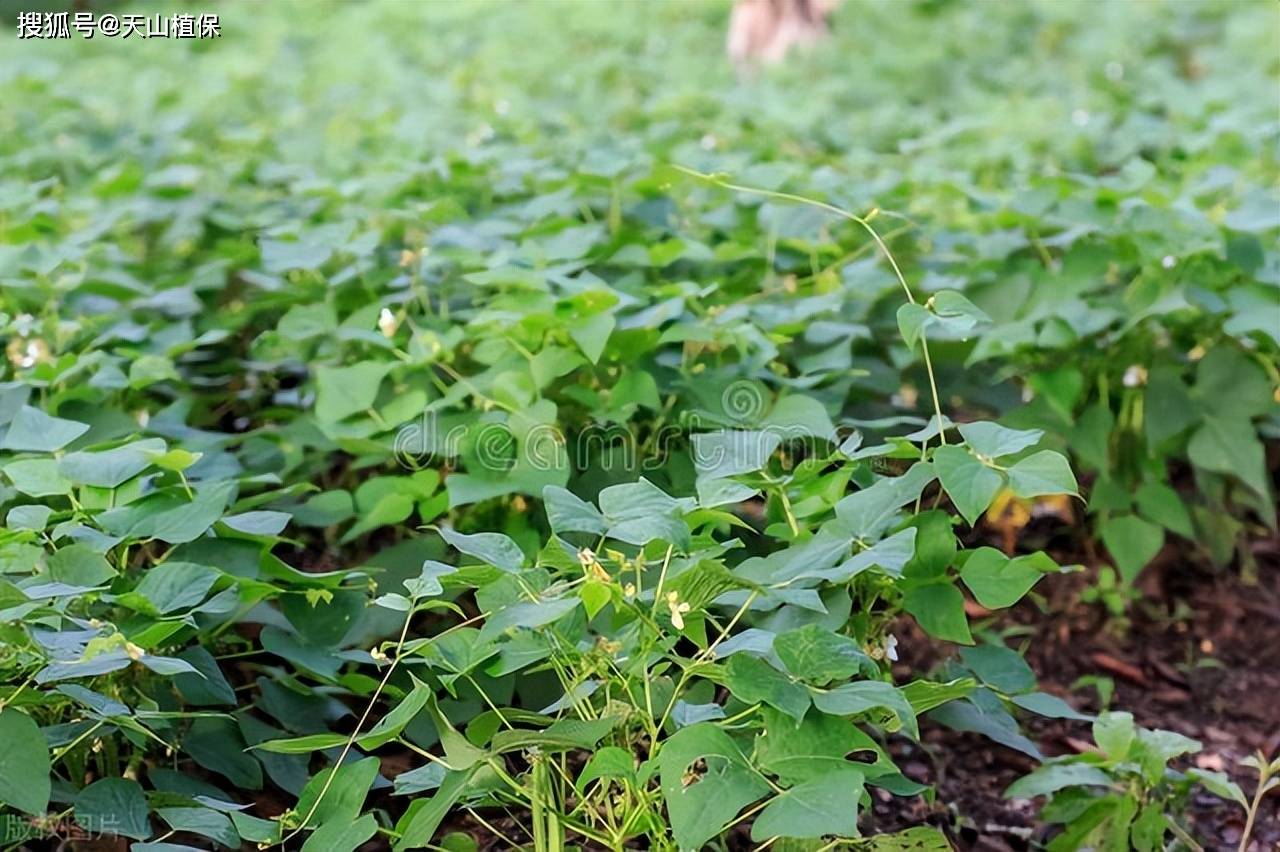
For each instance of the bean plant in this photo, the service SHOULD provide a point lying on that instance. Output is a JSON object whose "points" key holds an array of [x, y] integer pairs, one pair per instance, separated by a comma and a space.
{"points": [[407, 446]]}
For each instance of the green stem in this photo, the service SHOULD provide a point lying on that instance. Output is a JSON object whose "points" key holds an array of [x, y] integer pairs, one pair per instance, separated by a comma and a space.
{"points": [[862, 222]]}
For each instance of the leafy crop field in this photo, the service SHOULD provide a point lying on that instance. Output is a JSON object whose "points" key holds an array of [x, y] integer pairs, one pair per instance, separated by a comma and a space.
{"points": [[502, 426]]}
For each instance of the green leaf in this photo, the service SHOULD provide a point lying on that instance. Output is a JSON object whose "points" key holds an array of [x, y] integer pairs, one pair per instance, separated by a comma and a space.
{"points": [[1062, 387], [991, 720], [956, 312], [1230, 445], [302, 745], [207, 686], [939, 609], [423, 817], [607, 762], [821, 806], [752, 680], [258, 523], [427, 777], [1159, 503], [699, 810], [110, 468], [562, 735], [28, 518], [255, 829], [935, 545], [912, 320], [867, 512], [343, 799], [566, 512], [176, 459], [325, 509], [103, 663], [113, 806], [595, 596], [970, 483], [1168, 408], [305, 321], [458, 751], [343, 391], [391, 724], [1231, 385], [1154, 749], [717, 455], [202, 821], [918, 839], [217, 745], [947, 311], [795, 416], [925, 695], [592, 334], [820, 656], [80, 565], [1115, 732], [851, 699], [304, 253], [171, 586], [34, 431], [994, 441], [890, 555], [1132, 543], [998, 581], [37, 477], [1054, 777], [633, 500], [24, 764], [323, 619], [391, 509], [493, 549], [999, 667], [820, 743], [341, 835], [427, 584], [1220, 784], [529, 614], [1045, 472], [298, 650], [175, 521], [1051, 706]]}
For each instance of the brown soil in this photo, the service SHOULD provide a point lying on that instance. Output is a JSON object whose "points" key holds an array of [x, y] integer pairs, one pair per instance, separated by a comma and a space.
{"points": [[1200, 656]]}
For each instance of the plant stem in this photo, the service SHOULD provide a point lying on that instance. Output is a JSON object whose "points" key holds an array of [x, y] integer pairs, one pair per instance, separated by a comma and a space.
{"points": [[866, 226]]}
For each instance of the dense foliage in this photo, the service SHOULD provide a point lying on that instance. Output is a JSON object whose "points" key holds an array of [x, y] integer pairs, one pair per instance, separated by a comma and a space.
{"points": [[415, 415]]}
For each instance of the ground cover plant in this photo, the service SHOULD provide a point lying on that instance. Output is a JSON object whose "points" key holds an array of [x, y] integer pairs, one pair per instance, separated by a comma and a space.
{"points": [[430, 441]]}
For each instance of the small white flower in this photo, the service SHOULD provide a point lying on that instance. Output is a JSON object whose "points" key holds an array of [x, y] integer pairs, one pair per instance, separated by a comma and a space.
{"points": [[891, 647], [1169, 261], [1080, 117], [387, 323], [1135, 376], [591, 566], [678, 608]]}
